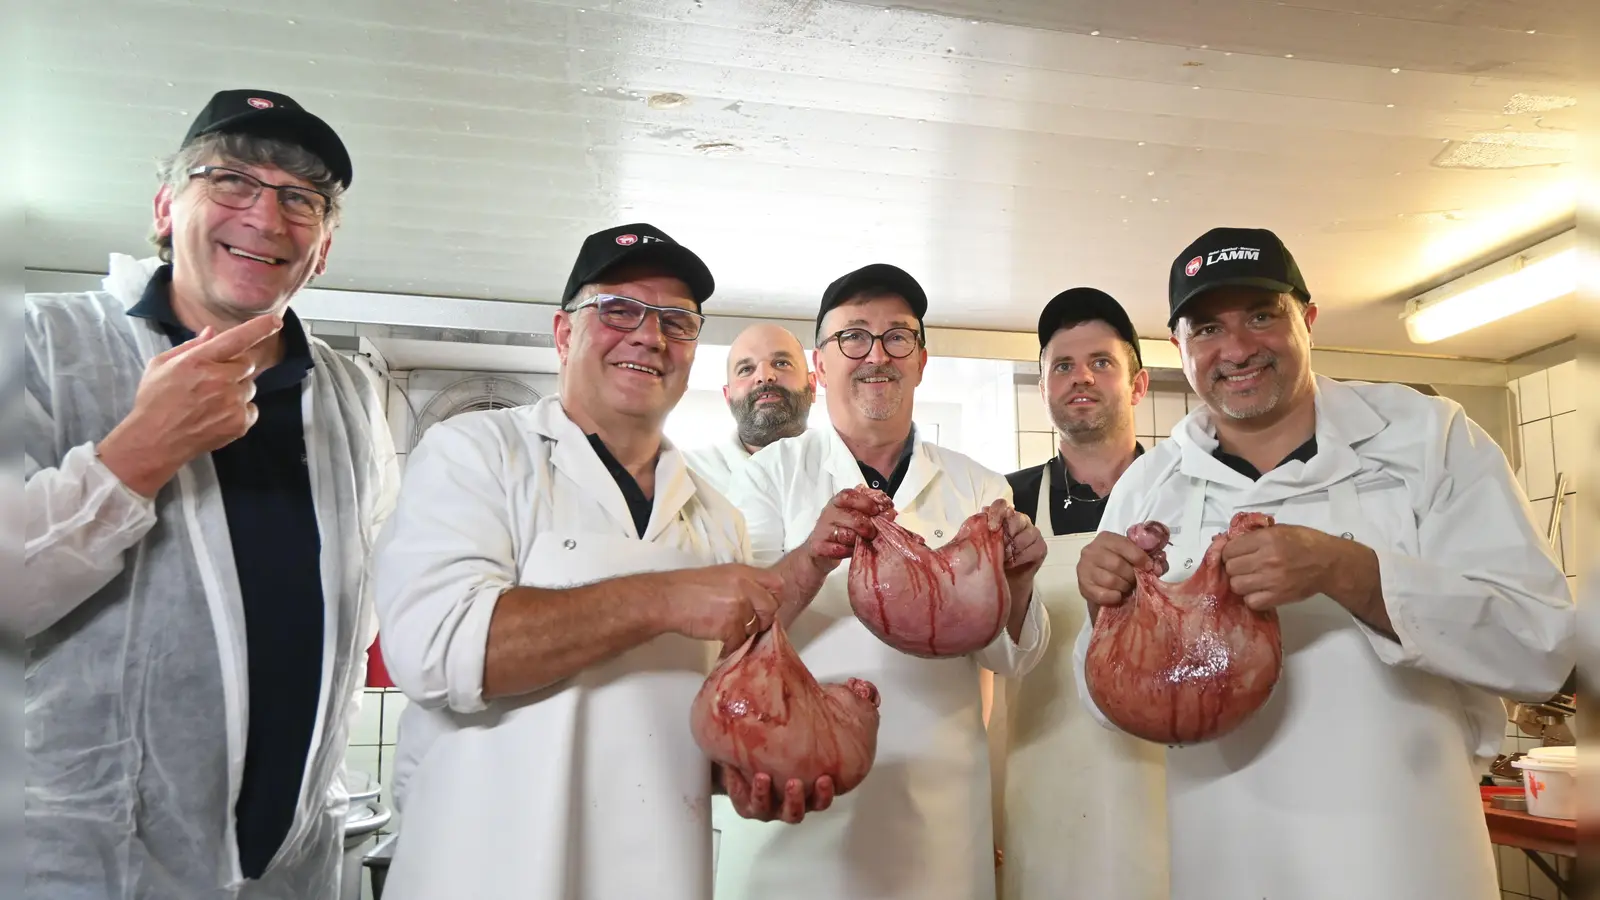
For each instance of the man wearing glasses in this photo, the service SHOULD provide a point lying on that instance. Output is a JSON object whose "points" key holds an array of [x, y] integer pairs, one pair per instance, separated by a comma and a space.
{"points": [[552, 587], [919, 825], [203, 481]]}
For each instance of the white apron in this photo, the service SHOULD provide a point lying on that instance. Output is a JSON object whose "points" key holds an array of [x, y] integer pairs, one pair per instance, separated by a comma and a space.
{"points": [[592, 789], [1312, 798], [1080, 809]]}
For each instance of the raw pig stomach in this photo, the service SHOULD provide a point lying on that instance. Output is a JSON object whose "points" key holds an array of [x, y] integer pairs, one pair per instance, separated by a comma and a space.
{"points": [[1186, 662], [933, 603], [761, 710]]}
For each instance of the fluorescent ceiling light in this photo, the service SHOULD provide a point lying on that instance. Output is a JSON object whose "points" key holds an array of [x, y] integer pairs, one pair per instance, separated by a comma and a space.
{"points": [[1537, 275]]}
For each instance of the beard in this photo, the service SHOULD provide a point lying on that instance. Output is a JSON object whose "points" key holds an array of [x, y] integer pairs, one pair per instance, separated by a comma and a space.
{"points": [[1249, 404], [883, 402], [761, 424], [1079, 427]]}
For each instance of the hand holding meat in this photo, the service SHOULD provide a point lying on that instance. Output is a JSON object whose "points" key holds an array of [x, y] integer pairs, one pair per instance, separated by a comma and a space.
{"points": [[1109, 565], [935, 603], [846, 520], [192, 399], [1281, 564], [1025, 548], [1180, 663], [766, 721], [754, 798], [726, 603]]}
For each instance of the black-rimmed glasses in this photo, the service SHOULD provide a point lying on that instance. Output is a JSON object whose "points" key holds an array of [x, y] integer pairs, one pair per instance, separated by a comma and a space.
{"points": [[627, 314], [856, 343], [240, 190]]}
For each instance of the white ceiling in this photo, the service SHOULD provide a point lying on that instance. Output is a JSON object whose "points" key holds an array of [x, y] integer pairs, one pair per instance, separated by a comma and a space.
{"points": [[1000, 151]]}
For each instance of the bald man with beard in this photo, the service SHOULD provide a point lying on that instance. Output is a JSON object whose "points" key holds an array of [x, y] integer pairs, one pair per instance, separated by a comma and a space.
{"points": [[769, 392]]}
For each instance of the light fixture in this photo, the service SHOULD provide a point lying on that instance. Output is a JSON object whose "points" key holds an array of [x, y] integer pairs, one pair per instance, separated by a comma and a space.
{"points": [[1539, 274]]}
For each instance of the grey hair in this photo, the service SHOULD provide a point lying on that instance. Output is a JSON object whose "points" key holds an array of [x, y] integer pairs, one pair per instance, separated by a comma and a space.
{"points": [[245, 150]]}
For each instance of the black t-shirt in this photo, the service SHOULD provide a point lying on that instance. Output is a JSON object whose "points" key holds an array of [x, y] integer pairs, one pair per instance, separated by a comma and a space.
{"points": [[1074, 506], [891, 483], [272, 526], [638, 504], [1302, 453]]}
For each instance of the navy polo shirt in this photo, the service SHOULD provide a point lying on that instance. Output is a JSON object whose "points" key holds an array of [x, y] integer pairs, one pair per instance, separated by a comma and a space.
{"points": [[266, 493], [638, 504], [890, 483], [1239, 464]]}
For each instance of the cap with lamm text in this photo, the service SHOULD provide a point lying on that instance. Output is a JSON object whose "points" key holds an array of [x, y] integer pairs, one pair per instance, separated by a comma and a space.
{"points": [[1075, 306], [275, 116], [878, 276], [638, 244], [1250, 257]]}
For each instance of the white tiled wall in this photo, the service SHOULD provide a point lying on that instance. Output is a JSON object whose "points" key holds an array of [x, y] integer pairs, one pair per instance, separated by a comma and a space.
{"points": [[372, 740], [1546, 404]]}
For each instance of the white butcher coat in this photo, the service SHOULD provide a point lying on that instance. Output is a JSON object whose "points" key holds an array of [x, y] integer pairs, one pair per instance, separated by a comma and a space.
{"points": [[919, 827], [717, 462], [1359, 776], [592, 788]]}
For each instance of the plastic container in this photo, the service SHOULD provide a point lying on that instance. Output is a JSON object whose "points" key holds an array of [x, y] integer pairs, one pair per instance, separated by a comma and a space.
{"points": [[1549, 781]]}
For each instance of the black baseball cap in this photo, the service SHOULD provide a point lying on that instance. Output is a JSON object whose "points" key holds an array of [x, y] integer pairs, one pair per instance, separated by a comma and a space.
{"points": [[271, 115], [638, 243], [1075, 306], [1253, 257], [879, 276]]}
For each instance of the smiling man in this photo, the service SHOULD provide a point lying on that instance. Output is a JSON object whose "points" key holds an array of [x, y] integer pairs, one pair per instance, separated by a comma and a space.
{"points": [[1411, 584], [769, 392], [919, 826], [203, 481], [550, 586]]}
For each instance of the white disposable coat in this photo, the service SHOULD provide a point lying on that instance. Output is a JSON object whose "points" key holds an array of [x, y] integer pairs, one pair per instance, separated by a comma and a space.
{"points": [[919, 827], [717, 462], [1081, 809], [137, 709], [591, 788], [1358, 777]]}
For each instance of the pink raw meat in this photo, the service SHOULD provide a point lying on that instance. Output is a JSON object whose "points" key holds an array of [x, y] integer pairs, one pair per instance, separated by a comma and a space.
{"points": [[934, 603], [761, 710], [1187, 662]]}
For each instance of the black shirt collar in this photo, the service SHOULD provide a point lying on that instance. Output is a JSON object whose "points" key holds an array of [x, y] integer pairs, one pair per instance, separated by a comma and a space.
{"points": [[156, 305], [1302, 453], [1062, 480], [891, 484]]}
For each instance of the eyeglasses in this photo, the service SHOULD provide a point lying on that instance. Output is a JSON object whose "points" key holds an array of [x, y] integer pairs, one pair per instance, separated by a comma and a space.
{"points": [[627, 314], [856, 343], [240, 190]]}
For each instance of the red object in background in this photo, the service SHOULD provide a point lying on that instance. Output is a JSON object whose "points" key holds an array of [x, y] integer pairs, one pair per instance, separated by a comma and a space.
{"points": [[377, 673]]}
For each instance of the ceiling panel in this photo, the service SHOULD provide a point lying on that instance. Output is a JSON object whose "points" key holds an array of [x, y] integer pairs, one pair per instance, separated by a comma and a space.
{"points": [[1001, 151]]}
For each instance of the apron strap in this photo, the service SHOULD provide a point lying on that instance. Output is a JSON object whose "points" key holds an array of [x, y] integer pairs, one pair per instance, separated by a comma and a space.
{"points": [[1047, 527]]}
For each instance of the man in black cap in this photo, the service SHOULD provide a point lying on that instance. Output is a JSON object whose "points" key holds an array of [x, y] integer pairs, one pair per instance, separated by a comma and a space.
{"points": [[204, 478], [1410, 584], [549, 588], [1092, 824], [919, 827], [1091, 377]]}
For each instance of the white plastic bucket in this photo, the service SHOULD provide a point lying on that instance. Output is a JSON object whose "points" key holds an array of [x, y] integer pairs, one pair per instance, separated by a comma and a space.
{"points": [[1549, 781]]}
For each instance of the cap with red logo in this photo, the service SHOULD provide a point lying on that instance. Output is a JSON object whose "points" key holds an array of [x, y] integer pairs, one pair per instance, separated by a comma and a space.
{"points": [[639, 244], [1251, 257], [272, 115]]}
